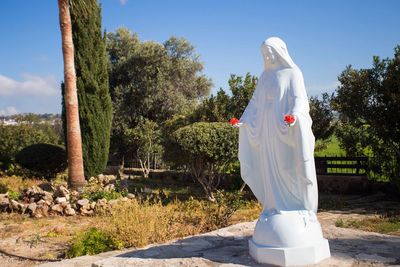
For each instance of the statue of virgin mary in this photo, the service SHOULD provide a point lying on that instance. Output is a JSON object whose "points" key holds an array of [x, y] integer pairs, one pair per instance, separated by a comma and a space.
{"points": [[277, 161]]}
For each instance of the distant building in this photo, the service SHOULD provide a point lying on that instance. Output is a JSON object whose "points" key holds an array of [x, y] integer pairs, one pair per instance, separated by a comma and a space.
{"points": [[8, 122]]}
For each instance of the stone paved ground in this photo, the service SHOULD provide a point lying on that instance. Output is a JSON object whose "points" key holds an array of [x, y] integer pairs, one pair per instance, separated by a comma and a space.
{"points": [[229, 247]]}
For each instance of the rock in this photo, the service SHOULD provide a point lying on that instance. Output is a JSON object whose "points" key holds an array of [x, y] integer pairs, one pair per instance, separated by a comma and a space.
{"points": [[61, 200], [24, 208], [105, 179], [82, 202], [75, 194], [92, 205], [48, 197], [101, 178], [109, 188], [33, 194], [84, 206], [69, 211], [41, 211], [101, 204], [85, 211], [41, 202], [62, 191], [32, 208], [4, 202], [57, 208], [15, 205], [131, 196]]}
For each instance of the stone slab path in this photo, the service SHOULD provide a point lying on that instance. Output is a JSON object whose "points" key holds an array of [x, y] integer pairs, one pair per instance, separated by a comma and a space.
{"points": [[229, 247]]}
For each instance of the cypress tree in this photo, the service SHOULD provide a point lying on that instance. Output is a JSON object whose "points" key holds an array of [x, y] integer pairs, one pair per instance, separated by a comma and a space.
{"points": [[95, 106]]}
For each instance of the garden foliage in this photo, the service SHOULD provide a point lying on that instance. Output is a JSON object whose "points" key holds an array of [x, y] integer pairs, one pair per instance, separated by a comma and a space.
{"points": [[206, 149], [368, 102], [13, 138], [44, 159]]}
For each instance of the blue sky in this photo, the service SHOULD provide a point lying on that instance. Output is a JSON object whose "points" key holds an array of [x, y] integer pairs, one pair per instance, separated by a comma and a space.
{"points": [[322, 38]]}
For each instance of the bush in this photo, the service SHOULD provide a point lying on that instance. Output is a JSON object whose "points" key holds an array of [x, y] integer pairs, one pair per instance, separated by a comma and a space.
{"points": [[45, 159], [13, 138], [91, 242], [206, 149]]}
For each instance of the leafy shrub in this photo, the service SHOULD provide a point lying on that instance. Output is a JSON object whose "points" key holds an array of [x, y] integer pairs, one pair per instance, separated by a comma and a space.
{"points": [[206, 149], [13, 138], [91, 242], [13, 195], [45, 159]]}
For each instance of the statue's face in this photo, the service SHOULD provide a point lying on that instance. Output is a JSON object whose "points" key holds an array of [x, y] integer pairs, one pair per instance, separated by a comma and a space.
{"points": [[269, 54]]}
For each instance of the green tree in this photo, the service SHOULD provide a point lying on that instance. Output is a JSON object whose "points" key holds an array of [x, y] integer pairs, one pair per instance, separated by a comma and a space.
{"points": [[369, 100], [322, 116], [145, 140], [95, 107], [223, 106], [151, 80], [206, 149]]}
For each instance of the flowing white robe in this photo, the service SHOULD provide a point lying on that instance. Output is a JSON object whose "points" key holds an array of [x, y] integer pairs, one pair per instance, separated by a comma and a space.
{"points": [[277, 161]]}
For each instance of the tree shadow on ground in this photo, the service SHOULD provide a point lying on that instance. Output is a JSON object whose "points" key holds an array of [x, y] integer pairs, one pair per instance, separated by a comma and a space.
{"points": [[378, 203]]}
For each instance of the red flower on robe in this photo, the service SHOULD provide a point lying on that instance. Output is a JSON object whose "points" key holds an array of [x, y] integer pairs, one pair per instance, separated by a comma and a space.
{"points": [[233, 121], [289, 119]]}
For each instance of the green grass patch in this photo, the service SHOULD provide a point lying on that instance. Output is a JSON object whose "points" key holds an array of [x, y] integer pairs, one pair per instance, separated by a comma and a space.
{"points": [[329, 148], [379, 224]]}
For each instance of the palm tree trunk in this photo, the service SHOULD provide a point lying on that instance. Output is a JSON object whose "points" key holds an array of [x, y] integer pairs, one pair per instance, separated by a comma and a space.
{"points": [[76, 177]]}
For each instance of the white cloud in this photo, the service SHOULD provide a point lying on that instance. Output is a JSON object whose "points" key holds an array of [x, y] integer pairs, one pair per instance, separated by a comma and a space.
{"points": [[30, 85], [123, 2], [7, 111]]}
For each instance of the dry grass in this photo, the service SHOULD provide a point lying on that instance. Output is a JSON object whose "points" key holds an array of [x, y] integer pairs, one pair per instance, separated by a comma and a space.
{"points": [[17, 183], [134, 224]]}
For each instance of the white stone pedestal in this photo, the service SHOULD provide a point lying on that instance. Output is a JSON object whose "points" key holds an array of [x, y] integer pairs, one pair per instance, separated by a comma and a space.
{"points": [[288, 238]]}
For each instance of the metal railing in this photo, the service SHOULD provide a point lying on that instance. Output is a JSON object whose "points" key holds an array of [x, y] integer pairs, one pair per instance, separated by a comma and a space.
{"points": [[350, 166]]}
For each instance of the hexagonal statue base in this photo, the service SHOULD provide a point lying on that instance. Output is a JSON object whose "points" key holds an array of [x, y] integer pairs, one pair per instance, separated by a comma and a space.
{"points": [[288, 238], [290, 256]]}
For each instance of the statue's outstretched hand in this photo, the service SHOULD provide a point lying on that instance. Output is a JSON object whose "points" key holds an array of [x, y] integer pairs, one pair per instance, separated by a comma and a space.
{"points": [[290, 120], [235, 122]]}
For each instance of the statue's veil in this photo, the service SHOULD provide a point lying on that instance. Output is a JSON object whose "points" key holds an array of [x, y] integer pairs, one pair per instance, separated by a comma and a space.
{"points": [[280, 48]]}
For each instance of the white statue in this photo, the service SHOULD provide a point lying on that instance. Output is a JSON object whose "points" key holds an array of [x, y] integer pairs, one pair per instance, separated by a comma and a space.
{"points": [[277, 163]]}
